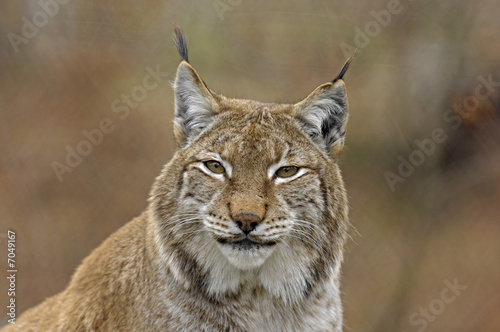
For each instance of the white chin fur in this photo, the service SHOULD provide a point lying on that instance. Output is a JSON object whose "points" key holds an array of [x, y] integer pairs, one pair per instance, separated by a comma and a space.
{"points": [[246, 259]]}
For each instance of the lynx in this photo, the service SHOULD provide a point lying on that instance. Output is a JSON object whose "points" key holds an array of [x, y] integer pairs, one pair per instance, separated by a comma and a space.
{"points": [[244, 230]]}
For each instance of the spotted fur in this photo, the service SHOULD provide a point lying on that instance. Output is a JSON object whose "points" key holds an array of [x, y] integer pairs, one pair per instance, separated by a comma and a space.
{"points": [[186, 264]]}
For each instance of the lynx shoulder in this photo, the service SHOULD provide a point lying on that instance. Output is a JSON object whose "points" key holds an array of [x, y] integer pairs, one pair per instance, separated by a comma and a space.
{"points": [[244, 231]]}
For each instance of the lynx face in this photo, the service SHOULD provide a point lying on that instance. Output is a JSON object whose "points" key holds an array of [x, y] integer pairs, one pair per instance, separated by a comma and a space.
{"points": [[254, 191], [255, 186]]}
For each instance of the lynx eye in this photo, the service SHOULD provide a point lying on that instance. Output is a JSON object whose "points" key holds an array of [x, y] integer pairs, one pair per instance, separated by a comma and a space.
{"points": [[215, 166], [286, 171]]}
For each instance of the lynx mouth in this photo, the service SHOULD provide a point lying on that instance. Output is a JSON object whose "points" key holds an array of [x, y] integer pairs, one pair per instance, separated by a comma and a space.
{"points": [[246, 243]]}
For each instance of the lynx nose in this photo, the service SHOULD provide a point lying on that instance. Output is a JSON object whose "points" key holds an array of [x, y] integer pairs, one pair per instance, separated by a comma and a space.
{"points": [[247, 221]]}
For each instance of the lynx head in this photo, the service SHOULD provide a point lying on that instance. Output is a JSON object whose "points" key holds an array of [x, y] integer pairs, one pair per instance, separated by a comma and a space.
{"points": [[253, 192]]}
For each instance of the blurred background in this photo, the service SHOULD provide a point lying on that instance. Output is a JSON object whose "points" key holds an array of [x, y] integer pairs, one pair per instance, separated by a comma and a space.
{"points": [[86, 124]]}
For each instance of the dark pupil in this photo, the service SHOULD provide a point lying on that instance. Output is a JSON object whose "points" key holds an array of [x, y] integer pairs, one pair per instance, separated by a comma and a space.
{"points": [[286, 169], [216, 164]]}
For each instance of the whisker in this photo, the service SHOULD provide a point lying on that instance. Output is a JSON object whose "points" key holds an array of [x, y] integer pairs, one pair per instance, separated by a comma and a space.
{"points": [[307, 238]]}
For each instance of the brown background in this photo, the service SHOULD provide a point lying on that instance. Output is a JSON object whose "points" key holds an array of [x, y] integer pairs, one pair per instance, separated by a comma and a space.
{"points": [[441, 223]]}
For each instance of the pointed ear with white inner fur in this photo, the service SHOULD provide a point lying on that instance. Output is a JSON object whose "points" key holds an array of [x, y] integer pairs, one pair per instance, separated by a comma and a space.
{"points": [[195, 105], [323, 116]]}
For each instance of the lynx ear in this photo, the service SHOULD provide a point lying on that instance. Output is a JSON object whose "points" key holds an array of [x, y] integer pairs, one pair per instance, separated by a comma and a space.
{"points": [[195, 106], [323, 116]]}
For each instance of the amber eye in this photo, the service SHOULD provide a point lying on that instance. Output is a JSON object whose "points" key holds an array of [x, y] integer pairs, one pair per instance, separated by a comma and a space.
{"points": [[286, 171], [215, 166]]}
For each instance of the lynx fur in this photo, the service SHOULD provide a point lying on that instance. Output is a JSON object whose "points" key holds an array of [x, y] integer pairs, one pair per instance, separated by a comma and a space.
{"points": [[244, 231]]}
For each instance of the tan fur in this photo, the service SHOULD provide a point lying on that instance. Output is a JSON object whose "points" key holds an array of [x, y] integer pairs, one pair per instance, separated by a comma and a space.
{"points": [[177, 267]]}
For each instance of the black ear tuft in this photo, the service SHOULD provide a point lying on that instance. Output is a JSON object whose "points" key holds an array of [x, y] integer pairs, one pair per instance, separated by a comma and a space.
{"points": [[180, 43], [344, 68]]}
